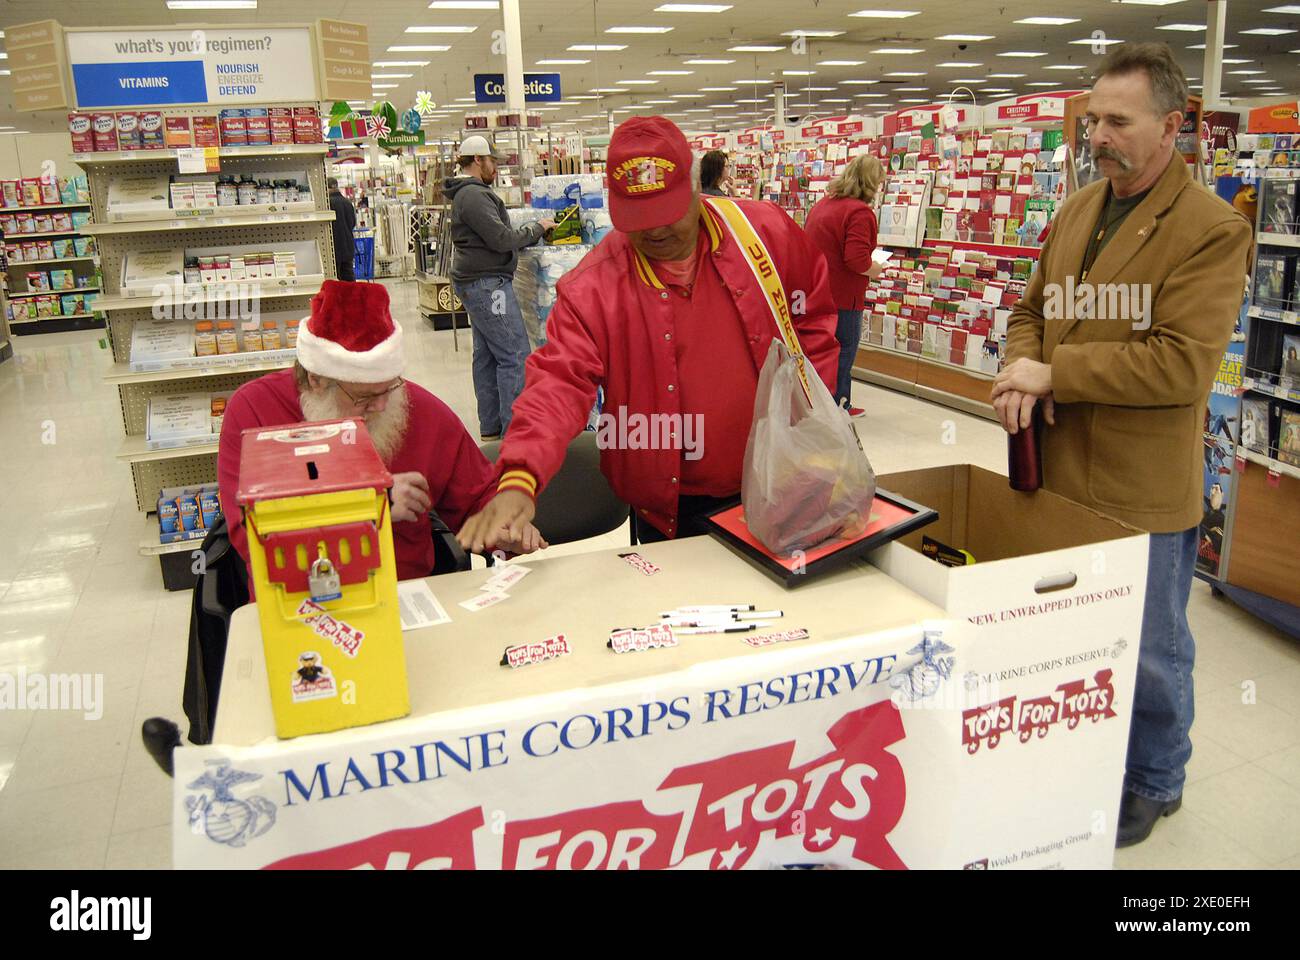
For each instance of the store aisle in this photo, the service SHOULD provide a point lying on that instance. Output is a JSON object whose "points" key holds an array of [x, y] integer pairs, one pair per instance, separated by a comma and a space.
{"points": [[75, 596]]}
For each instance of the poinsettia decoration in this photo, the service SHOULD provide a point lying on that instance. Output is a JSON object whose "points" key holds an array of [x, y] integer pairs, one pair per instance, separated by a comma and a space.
{"points": [[377, 127], [424, 102]]}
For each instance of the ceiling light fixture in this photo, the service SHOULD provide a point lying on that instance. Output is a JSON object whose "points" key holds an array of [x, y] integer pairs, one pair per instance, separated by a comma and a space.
{"points": [[755, 48], [902, 51], [705, 63], [966, 37], [840, 63], [813, 33], [211, 4], [401, 63], [1267, 31], [1025, 54], [421, 48], [885, 14], [693, 8], [638, 29], [597, 47], [441, 29], [1184, 27], [1049, 21], [958, 63]]}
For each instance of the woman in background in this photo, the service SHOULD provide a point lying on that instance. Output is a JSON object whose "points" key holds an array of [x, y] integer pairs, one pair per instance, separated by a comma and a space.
{"points": [[715, 174], [843, 226]]}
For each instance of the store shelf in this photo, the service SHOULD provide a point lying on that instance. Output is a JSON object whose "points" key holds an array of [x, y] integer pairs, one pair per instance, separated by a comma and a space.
{"points": [[22, 328], [34, 263], [916, 376], [1279, 239], [41, 293], [1270, 390], [150, 547], [973, 374], [45, 206], [212, 366], [135, 450], [20, 237], [1010, 250], [138, 156], [1277, 466], [203, 222], [242, 210], [303, 286], [1280, 316]]}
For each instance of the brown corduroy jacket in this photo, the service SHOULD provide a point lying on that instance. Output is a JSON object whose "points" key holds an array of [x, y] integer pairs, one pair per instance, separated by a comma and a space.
{"points": [[1131, 389]]}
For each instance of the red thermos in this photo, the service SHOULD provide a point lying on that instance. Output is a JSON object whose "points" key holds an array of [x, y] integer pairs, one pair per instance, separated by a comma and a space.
{"points": [[1025, 454]]}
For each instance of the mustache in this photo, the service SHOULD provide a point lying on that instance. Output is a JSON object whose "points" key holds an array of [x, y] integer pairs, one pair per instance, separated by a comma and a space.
{"points": [[1106, 153]]}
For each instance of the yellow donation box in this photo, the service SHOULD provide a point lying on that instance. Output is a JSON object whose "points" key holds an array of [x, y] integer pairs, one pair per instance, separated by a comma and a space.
{"points": [[320, 542]]}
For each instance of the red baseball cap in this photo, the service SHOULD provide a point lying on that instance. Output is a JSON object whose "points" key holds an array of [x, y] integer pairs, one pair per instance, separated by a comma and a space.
{"points": [[648, 166]]}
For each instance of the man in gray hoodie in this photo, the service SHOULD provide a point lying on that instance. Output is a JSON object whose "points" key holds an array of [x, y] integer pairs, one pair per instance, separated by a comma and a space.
{"points": [[481, 275]]}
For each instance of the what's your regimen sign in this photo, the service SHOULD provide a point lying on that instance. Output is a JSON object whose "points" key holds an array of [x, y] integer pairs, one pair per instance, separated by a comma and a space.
{"points": [[147, 66], [883, 751]]}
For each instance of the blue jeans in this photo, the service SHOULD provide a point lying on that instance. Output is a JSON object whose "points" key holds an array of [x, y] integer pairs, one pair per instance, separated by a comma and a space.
{"points": [[500, 348], [1159, 745], [847, 332]]}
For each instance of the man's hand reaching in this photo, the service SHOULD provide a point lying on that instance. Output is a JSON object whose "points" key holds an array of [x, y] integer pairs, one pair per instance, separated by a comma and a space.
{"points": [[531, 540], [504, 522]]}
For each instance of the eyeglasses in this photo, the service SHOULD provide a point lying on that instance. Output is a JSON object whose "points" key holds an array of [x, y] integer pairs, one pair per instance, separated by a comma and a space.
{"points": [[369, 398]]}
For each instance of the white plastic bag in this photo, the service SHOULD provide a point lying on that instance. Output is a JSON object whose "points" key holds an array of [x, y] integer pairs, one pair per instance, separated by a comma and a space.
{"points": [[805, 478]]}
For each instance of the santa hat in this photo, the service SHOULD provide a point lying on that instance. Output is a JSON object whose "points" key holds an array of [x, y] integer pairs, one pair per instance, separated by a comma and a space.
{"points": [[350, 335]]}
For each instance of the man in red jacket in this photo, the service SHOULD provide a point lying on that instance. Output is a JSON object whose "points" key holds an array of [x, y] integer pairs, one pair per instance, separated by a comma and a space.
{"points": [[670, 316], [349, 365]]}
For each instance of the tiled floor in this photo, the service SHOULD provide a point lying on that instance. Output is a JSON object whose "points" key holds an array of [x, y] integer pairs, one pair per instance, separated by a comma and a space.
{"points": [[76, 597]]}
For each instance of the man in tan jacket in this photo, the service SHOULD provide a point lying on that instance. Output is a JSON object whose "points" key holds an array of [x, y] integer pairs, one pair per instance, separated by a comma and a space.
{"points": [[1118, 339]]}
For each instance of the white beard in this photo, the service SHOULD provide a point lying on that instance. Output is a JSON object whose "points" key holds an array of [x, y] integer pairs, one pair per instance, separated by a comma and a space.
{"points": [[387, 428]]}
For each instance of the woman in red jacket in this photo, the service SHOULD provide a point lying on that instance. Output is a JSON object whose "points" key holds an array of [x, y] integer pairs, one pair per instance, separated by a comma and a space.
{"points": [[843, 227]]}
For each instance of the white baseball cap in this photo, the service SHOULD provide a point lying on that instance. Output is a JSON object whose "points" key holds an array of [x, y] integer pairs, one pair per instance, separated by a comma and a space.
{"points": [[476, 146]]}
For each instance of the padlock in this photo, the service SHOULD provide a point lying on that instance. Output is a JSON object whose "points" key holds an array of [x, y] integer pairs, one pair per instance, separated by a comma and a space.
{"points": [[323, 581]]}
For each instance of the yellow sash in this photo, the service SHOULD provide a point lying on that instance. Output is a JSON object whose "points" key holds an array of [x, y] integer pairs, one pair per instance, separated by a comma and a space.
{"points": [[756, 255]]}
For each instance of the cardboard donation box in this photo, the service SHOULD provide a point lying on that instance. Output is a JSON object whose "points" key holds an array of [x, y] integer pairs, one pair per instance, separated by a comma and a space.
{"points": [[320, 543], [1054, 598]]}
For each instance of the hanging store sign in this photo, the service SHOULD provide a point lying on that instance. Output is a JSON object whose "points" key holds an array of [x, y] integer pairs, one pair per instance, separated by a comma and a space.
{"points": [[402, 138], [538, 87], [146, 66], [36, 63], [344, 59]]}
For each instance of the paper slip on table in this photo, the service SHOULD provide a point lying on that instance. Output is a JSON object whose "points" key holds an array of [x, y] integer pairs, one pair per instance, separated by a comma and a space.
{"points": [[583, 596]]}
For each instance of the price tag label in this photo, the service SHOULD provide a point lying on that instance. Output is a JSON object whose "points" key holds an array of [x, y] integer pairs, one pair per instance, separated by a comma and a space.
{"points": [[198, 159]]}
